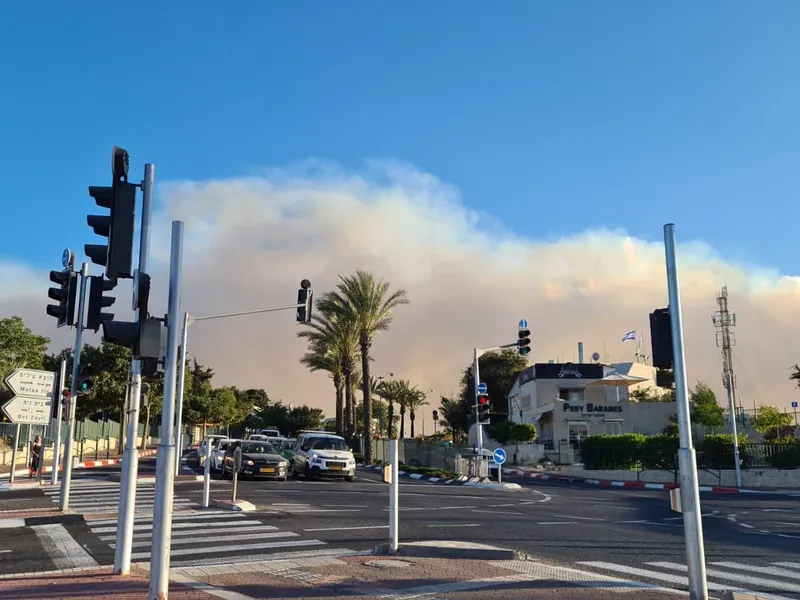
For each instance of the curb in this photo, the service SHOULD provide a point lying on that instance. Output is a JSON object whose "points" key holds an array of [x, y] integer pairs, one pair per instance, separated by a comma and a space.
{"points": [[452, 550], [640, 485], [461, 480], [494, 486], [90, 464], [63, 519], [237, 506]]}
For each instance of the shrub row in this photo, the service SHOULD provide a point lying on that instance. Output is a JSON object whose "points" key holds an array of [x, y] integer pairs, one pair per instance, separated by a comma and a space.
{"points": [[637, 451]]}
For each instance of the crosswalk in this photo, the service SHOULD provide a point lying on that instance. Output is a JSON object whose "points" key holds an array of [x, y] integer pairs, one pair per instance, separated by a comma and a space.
{"points": [[101, 497], [206, 537], [770, 581]]}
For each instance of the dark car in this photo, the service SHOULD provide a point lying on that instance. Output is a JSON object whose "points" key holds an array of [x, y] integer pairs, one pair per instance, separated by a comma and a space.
{"points": [[259, 459]]}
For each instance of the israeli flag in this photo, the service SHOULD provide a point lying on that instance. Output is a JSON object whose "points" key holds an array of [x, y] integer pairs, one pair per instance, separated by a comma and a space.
{"points": [[630, 336]]}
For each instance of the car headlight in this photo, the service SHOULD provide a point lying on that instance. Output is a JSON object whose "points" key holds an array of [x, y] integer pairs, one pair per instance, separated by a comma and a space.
{"points": [[249, 463]]}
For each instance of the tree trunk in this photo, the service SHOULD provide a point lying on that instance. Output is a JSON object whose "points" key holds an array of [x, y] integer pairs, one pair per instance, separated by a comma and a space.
{"points": [[337, 382], [402, 422], [146, 427], [348, 406], [411, 418], [366, 391]]}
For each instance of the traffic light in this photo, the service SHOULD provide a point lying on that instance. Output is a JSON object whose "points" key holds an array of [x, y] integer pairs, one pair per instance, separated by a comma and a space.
{"points": [[524, 341], [304, 302], [661, 337], [54, 406], [65, 294], [484, 407], [95, 316], [84, 385], [120, 198]]}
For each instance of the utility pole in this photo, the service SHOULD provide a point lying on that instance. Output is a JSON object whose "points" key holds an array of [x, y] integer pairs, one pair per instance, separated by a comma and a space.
{"points": [[724, 322]]}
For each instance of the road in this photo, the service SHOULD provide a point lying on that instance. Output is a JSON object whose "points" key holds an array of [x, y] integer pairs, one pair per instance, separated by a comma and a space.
{"points": [[752, 541]]}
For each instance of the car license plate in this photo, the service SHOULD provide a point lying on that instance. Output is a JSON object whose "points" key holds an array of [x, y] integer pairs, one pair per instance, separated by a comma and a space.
{"points": [[267, 470], [336, 468]]}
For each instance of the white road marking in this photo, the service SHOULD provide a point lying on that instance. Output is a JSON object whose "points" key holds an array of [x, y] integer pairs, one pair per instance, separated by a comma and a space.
{"points": [[342, 505], [754, 581], [176, 517], [557, 523], [615, 506], [348, 528], [763, 570], [233, 548], [11, 523], [579, 518], [455, 525], [498, 512], [185, 533], [214, 539], [62, 549], [4, 551]]}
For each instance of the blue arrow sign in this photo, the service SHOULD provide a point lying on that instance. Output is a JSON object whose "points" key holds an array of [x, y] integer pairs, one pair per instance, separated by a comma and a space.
{"points": [[794, 404], [499, 456], [482, 388], [523, 324]]}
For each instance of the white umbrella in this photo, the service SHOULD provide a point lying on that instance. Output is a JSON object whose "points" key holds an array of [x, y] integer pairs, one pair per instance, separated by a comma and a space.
{"points": [[616, 380]]}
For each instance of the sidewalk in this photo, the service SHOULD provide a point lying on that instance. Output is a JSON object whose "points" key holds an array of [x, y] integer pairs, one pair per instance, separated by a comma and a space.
{"points": [[22, 473], [342, 578]]}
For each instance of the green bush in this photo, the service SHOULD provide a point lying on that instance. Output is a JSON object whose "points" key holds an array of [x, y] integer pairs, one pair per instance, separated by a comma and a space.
{"points": [[716, 452], [783, 456], [660, 452], [612, 451]]}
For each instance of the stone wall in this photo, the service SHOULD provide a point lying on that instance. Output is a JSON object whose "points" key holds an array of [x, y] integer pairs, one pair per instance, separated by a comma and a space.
{"points": [[751, 478]]}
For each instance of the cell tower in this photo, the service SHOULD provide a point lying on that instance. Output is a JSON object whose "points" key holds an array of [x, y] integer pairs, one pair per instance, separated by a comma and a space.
{"points": [[724, 322]]}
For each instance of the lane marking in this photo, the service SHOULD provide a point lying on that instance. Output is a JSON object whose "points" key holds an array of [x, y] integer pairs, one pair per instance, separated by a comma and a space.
{"points": [[233, 548], [557, 523], [579, 518], [498, 512], [212, 540], [769, 584], [343, 505], [348, 528], [4, 551], [62, 549], [455, 525], [755, 569], [181, 533]]}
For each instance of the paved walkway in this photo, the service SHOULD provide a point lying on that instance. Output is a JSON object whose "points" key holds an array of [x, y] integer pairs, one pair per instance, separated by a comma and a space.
{"points": [[341, 578]]}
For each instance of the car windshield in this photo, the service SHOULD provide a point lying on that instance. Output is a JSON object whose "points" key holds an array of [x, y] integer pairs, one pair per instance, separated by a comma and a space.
{"points": [[328, 444], [258, 448]]}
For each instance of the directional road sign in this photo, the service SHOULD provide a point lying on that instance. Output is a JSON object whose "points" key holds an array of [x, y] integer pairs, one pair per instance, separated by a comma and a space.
{"points": [[482, 388], [794, 404], [499, 456], [523, 324], [34, 396]]}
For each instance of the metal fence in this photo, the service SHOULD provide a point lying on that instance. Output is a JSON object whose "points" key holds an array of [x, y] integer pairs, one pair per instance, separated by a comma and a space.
{"points": [[433, 455]]}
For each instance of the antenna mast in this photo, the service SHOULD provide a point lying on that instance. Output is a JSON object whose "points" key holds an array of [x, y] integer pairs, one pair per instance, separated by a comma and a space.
{"points": [[724, 322]]}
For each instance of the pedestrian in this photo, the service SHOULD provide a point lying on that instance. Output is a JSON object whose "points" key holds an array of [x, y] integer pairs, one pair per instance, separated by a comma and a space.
{"points": [[36, 450]]}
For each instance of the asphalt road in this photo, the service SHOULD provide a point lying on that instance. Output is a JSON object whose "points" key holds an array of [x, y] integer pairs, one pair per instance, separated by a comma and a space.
{"points": [[620, 532]]}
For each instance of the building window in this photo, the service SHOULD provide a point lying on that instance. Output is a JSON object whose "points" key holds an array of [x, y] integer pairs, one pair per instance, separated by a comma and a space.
{"points": [[573, 396], [577, 431], [525, 402]]}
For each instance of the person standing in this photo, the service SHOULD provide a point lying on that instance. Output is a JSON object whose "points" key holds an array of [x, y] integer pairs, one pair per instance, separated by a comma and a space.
{"points": [[36, 451]]}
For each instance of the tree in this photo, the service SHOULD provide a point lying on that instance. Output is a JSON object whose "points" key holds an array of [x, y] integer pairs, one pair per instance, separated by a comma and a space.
{"points": [[19, 348], [391, 391], [197, 407], [707, 412], [367, 304], [795, 376], [290, 421], [498, 370], [415, 400], [770, 418], [652, 395], [508, 432], [455, 414], [319, 358]]}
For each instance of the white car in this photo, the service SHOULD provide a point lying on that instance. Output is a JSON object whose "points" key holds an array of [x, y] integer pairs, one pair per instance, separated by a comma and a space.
{"points": [[323, 454], [218, 453], [214, 440]]}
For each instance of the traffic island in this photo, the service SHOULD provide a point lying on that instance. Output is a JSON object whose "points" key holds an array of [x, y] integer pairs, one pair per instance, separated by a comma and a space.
{"points": [[235, 505], [451, 550]]}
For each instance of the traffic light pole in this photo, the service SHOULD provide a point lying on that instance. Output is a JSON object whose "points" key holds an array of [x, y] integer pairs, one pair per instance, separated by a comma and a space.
{"points": [[62, 380], [188, 320], [687, 462], [66, 481], [130, 462], [165, 471], [476, 355]]}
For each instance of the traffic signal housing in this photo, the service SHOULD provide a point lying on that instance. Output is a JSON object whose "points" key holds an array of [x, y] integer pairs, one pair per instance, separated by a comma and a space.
{"points": [[305, 298], [118, 226], [65, 294], [524, 341], [484, 408], [661, 337], [85, 382], [98, 286]]}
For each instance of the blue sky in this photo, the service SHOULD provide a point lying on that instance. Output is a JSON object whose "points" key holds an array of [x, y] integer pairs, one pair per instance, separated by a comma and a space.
{"points": [[553, 117]]}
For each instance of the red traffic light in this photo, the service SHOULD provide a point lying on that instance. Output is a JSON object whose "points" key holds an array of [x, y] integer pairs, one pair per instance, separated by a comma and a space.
{"points": [[67, 393], [483, 400]]}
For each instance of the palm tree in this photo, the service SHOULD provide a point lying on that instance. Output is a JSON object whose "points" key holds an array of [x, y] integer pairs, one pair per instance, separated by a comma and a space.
{"points": [[392, 392], [322, 359], [367, 304], [335, 339], [414, 401]]}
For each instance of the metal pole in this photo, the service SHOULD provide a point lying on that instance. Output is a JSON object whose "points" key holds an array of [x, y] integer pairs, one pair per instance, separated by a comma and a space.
{"points": [[179, 412], [690, 495], [12, 474], [499, 473], [62, 380], [207, 477], [235, 488], [476, 373], [732, 408], [130, 462], [66, 481], [394, 496], [165, 470]]}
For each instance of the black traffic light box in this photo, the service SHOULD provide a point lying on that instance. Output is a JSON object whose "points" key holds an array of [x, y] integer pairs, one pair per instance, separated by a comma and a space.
{"points": [[484, 408], [524, 341], [65, 294], [661, 337], [98, 286]]}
